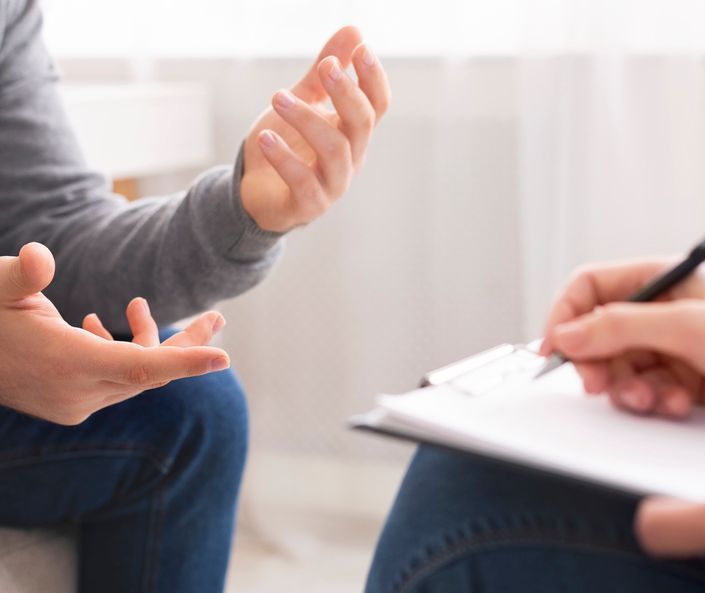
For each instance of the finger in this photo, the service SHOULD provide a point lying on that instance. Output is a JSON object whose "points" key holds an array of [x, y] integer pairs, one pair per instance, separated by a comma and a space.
{"points": [[595, 285], [199, 332], [332, 148], [357, 116], [93, 324], [372, 79], [627, 390], [309, 197], [595, 376], [676, 328], [635, 395], [671, 528], [28, 273], [133, 365], [670, 397], [674, 401], [685, 375], [341, 45], [144, 329]]}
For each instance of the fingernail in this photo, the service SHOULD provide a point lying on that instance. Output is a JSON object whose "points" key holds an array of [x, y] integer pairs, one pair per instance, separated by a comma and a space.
{"points": [[218, 324], [335, 72], [368, 57], [267, 138], [285, 99], [145, 306], [218, 364]]}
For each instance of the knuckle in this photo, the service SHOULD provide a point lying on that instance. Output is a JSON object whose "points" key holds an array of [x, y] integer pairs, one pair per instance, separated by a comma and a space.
{"points": [[140, 375], [610, 319], [315, 207], [309, 192], [303, 179], [368, 119], [337, 149], [581, 274]]}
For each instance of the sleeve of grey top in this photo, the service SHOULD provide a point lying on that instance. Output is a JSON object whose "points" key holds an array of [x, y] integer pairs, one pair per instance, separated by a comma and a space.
{"points": [[182, 253]]}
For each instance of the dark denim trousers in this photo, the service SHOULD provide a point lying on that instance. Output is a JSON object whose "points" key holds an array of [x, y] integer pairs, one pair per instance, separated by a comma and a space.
{"points": [[462, 524], [151, 485]]}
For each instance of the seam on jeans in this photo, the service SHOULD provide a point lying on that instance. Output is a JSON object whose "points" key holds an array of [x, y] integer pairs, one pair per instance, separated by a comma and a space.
{"points": [[505, 538], [117, 501], [156, 523], [37, 456]]}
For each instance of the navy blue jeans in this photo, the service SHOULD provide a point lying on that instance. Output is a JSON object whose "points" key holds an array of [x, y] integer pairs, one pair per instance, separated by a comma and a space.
{"points": [[151, 485], [462, 524]]}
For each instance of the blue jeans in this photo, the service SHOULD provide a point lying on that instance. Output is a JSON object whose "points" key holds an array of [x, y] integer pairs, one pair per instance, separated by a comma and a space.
{"points": [[462, 524], [151, 485]]}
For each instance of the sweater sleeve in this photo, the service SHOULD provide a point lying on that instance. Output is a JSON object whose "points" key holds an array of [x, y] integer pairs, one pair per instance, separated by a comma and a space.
{"points": [[182, 253]]}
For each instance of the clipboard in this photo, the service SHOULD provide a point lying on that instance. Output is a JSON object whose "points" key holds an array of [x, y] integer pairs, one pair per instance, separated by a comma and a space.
{"points": [[491, 367], [488, 405], [497, 364]]}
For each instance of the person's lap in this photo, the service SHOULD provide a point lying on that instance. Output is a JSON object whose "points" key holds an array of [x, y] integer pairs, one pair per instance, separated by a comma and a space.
{"points": [[151, 484], [461, 524]]}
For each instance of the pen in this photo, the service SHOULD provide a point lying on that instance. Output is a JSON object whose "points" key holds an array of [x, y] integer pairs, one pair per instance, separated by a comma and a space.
{"points": [[652, 290]]}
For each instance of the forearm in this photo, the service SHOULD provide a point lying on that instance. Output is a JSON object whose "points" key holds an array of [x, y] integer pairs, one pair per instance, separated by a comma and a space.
{"points": [[182, 253]]}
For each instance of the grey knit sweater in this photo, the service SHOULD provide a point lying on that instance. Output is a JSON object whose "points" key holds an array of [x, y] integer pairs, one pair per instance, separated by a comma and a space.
{"points": [[182, 253]]}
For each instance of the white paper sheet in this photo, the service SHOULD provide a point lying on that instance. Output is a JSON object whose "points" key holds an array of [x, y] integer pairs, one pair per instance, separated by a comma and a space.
{"points": [[550, 423]]}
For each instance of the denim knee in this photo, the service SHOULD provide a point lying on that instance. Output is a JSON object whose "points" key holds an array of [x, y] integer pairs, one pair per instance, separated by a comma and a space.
{"points": [[215, 412], [208, 427]]}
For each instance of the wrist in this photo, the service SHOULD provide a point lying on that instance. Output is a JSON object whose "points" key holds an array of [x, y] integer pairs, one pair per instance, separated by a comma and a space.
{"points": [[252, 235]]}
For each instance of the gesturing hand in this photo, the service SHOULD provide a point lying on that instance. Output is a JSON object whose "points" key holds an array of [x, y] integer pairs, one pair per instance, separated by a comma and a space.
{"points": [[63, 374], [300, 156], [648, 357]]}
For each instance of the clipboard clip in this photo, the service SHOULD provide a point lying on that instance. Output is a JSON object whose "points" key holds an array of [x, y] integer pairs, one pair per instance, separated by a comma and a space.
{"points": [[486, 370]]}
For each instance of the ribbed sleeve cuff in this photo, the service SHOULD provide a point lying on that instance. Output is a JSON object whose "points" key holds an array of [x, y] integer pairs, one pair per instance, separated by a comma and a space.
{"points": [[245, 240]]}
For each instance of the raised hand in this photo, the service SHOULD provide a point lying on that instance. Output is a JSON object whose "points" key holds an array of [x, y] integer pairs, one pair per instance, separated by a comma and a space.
{"points": [[300, 156], [63, 374]]}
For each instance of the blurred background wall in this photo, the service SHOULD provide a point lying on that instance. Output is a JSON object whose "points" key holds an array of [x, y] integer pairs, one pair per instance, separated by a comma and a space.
{"points": [[525, 138]]}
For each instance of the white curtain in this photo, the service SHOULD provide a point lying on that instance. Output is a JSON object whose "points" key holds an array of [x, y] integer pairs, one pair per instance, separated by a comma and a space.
{"points": [[609, 98], [612, 142], [525, 137]]}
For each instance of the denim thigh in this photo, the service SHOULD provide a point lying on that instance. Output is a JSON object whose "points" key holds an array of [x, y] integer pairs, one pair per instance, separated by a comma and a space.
{"points": [[467, 524]]}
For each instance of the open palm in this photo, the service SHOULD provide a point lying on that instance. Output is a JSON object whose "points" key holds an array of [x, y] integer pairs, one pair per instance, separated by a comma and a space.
{"points": [[61, 373]]}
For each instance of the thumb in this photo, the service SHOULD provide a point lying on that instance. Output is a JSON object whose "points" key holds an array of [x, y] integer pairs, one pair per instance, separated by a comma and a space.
{"points": [[669, 527], [341, 45], [28, 273], [676, 328]]}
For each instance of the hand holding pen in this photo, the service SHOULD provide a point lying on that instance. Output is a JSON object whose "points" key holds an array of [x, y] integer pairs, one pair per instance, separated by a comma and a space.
{"points": [[649, 357]]}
